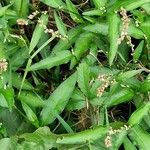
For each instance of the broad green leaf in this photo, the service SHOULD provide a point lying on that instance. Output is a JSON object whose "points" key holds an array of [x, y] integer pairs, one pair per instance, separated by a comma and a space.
{"points": [[38, 31], [140, 138], [54, 3], [21, 7], [3, 101], [58, 100], [7, 144], [73, 12], [51, 61], [128, 4], [16, 82], [119, 97], [41, 139], [145, 86], [31, 99], [138, 115], [135, 32], [84, 78], [3, 10], [146, 7], [60, 25], [128, 145], [77, 101], [15, 61], [128, 74], [83, 136], [138, 51], [100, 28], [81, 47], [30, 115], [100, 3], [114, 23], [64, 44], [9, 96], [145, 27]]}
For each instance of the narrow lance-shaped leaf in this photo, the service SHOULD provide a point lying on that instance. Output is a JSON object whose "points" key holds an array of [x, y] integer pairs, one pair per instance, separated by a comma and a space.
{"points": [[38, 31], [128, 145], [30, 115], [83, 136], [128, 4], [81, 47], [100, 3], [84, 78], [9, 96], [140, 138], [21, 7], [31, 99], [128, 74], [58, 100], [60, 25], [119, 97], [54, 3], [138, 51], [51, 61], [73, 12], [114, 23], [137, 116]]}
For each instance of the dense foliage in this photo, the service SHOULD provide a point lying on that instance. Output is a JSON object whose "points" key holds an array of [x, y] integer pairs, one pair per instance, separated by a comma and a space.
{"points": [[74, 74]]}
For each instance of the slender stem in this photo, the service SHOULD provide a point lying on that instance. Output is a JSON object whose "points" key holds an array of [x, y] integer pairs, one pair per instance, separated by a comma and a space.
{"points": [[30, 61], [45, 44]]}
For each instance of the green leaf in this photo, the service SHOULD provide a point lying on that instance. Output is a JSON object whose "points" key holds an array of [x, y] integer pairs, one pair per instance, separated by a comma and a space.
{"points": [[58, 100], [99, 3], [145, 27], [7, 144], [73, 12], [77, 101], [138, 51], [30, 115], [145, 86], [54, 3], [51, 61], [16, 82], [21, 7], [137, 115], [114, 23], [31, 99], [128, 145], [83, 136], [64, 44], [38, 31], [84, 78], [93, 12], [81, 47], [9, 96], [128, 74], [64, 124], [60, 25], [100, 28], [42, 139], [127, 4], [140, 138], [3, 10], [121, 96], [16, 61]]}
